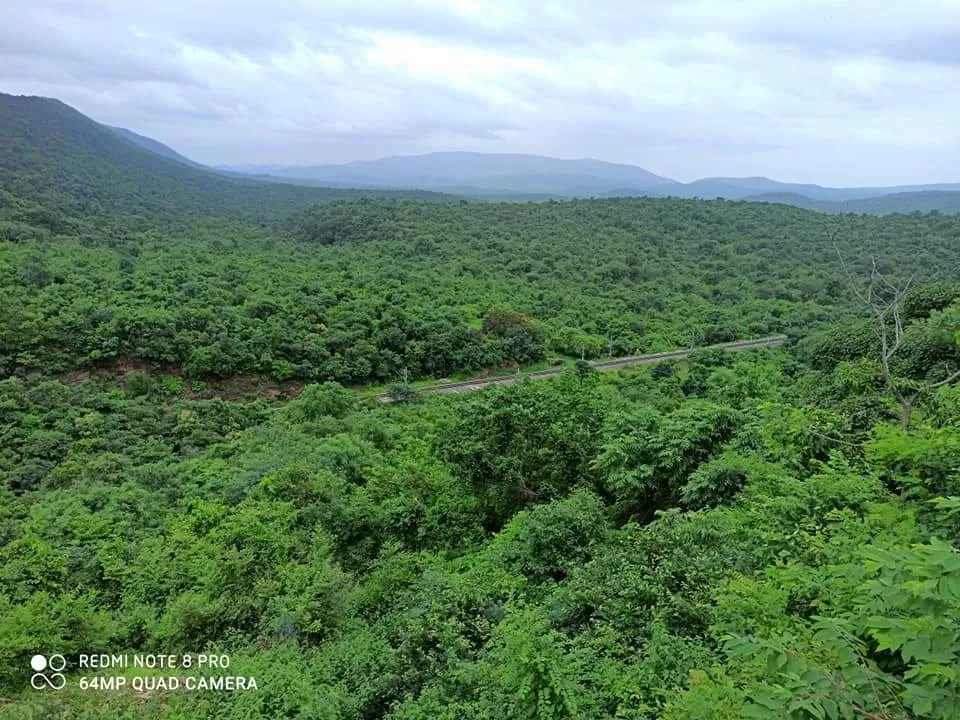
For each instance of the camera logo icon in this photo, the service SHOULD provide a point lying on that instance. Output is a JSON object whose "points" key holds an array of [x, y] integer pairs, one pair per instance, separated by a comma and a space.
{"points": [[48, 672]]}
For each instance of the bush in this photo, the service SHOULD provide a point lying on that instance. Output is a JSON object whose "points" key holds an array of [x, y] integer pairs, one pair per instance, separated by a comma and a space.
{"points": [[329, 399]]}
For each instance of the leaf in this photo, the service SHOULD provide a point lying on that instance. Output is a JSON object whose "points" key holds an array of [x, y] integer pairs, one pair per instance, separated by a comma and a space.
{"points": [[922, 705], [916, 649], [932, 670], [949, 587], [830, 709]]}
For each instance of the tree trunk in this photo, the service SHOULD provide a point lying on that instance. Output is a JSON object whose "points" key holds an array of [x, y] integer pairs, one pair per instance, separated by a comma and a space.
{"points": [[906, 404]]}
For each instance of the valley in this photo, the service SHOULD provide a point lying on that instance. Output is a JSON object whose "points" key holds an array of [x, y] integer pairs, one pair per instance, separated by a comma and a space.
{"points": [[706, 469]]}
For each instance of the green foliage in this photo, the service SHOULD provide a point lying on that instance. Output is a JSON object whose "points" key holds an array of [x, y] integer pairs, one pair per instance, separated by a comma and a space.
{"points": [[356, 536], [549, 541], [894, 653], [403, 394], [533, 680], [647, 457], [525, 443], [328, 399], [725, 536], [500, 321], [926, 462], [921, 302], [58, 167], [214, 296], [717, 481]]}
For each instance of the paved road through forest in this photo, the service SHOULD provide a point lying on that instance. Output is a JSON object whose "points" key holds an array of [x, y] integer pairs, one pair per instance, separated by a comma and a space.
{"points": [[479, 383]]}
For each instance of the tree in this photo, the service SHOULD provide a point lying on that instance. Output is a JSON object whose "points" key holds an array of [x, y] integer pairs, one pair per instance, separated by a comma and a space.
{"points": [[499, 320], [885, 299], [583, 369], [526, 443], [403, 393], [327, 399]]}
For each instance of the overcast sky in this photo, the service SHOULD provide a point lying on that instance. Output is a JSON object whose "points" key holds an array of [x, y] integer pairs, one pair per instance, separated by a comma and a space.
{"points": [[842, 92]]}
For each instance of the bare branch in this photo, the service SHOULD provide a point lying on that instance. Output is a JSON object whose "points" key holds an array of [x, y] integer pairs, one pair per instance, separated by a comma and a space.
{"points": [[947, 380], [831, 439], [883, 300]]}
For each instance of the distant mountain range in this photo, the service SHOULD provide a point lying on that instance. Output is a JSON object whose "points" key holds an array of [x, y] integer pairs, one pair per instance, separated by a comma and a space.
{"points": [[533, 177], [898, 202], [483, 174], [58, 151], [520, 177], [57, 165]]}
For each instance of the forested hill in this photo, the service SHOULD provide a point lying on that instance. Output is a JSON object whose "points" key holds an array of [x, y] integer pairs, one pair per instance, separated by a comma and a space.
{"points": [[55, 162], [154, 146], [359, 292], [904, 202], [769, 534]]}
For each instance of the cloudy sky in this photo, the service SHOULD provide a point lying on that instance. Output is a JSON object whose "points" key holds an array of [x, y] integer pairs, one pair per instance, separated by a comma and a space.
{"points": [[843, 92]]}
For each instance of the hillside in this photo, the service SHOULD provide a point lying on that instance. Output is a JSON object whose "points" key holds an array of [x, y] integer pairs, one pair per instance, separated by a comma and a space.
{"points": [[496, 172], [728, 536], [502, 175], [54, 157], [154, 146], [194, 459], [906, 202], [749, 187], [357, 292], [796, 200], [532, 178], [926, 201]]}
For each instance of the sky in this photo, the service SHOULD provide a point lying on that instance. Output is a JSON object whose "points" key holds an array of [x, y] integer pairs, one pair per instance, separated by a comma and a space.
{"points": [[837, 92]]}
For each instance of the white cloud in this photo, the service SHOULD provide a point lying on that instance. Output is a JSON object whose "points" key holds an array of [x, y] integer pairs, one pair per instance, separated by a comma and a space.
{"points": [[831, 91]]}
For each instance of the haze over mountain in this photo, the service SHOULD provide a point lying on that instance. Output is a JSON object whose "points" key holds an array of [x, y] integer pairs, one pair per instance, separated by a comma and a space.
{"points": [[487, 171], [154, 146], [52, 152], [743, 188], [899, 202], [57, 159], [486, 175]]}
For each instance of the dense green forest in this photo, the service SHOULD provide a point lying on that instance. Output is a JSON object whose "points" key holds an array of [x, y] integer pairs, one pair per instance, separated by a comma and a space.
{"points": [[771, 534], [357, 292]]}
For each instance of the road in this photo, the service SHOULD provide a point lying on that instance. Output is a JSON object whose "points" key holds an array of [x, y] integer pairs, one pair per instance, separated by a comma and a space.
{"points": [[480, 383]]}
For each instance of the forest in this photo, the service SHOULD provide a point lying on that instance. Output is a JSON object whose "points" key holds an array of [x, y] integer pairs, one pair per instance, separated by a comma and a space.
{"points": [[766, 534], [357, 293]]}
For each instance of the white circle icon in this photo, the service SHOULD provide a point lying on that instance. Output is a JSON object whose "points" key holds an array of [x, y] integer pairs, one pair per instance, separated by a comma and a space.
{"points": [[55, 663]]}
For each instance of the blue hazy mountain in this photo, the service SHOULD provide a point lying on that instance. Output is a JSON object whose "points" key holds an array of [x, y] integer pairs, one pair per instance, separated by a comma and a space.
{"points": [[66, 165], [500, 175], [516, 176], [499, 172], [899, 202]]}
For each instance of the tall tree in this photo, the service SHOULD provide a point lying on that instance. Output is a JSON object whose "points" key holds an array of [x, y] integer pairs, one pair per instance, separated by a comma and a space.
{"points": [[884, 299]]}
